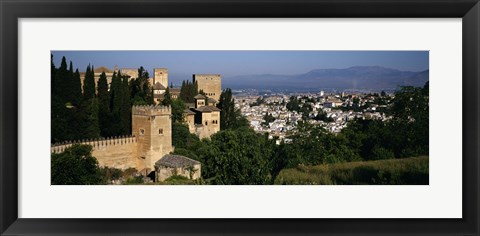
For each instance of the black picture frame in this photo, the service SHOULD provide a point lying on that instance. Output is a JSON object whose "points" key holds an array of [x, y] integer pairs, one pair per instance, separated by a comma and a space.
{"points": [[11, 11]]}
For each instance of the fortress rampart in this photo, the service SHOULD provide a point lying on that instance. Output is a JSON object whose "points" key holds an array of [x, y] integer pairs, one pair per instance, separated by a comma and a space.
{"points": [[117, 152], [151, 110]]}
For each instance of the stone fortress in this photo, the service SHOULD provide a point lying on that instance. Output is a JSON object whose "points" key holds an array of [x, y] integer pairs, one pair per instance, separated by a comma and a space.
{"points": [[148, 147], [210, 84]]}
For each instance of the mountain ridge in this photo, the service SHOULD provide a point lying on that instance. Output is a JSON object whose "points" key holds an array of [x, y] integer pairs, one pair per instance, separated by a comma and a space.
{"points": [[355, 77]]}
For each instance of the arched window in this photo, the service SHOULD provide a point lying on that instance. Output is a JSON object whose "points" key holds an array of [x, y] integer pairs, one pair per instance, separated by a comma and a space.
{"points": [[142, 132], [160, 131]]}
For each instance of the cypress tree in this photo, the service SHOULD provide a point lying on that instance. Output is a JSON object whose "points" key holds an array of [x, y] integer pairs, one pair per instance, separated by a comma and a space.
{"points": [[103, 105], [69, 84], [195, 90], [77, 88], [89, 83], [183, 90], [227, 105], [126, 108], [61, 78], [116, 103], [167, 98], [53, 72], [92, 124]]}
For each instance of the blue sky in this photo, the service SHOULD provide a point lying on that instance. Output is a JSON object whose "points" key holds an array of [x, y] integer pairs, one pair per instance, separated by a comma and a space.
{"points": [[233, 63]]}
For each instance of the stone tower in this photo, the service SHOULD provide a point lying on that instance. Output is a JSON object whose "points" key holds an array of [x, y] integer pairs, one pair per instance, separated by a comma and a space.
{"points": [[161, 76], [153, 127], [211, 84]]}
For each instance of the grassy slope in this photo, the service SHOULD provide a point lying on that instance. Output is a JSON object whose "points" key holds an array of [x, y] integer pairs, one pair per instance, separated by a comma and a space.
{"points": [[407, 171]]}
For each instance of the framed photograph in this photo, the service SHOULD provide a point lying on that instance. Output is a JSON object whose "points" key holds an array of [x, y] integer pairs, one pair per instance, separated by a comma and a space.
{"points": [[233, 117]]}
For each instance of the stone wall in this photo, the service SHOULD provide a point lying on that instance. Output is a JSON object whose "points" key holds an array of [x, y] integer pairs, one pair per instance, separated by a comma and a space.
{"points": [[133, 73], [210, 123], [118, 152], [211, 84], [190, 120]]}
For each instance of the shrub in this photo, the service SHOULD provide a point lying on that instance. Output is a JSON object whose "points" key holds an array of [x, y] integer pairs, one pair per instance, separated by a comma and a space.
{"points": [[406, 171]]}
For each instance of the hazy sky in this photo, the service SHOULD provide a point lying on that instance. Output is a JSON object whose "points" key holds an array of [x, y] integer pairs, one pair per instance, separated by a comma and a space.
{"points": [[232, 63]]}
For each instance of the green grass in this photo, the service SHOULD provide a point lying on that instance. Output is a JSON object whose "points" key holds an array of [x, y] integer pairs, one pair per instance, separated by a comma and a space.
{"points": [[405, 171]]}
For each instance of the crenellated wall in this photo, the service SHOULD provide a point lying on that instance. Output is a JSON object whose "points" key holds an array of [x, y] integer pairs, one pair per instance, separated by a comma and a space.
{"points": [[116, 152]]}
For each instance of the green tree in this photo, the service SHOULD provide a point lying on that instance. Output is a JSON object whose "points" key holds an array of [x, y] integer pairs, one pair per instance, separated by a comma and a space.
{"points": [[76, 89], [227, 106], [167, 98], [237, 157], [88, 122], [61, 82], [126, 111], [103, 105], [182, 138], [141, 92], [188, 91], [230, 118], [268, 118], [178, 108], [116, 104], [69, 85], [89, 84], [75, 166], [59, 119], [293, 104]]}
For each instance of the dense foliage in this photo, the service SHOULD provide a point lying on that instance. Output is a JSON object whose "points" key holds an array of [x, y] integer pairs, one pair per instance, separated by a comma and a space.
{"points": [[94, 110], [237, 155], [409, 171], [188, 91], [75, 165], [230, 118]]}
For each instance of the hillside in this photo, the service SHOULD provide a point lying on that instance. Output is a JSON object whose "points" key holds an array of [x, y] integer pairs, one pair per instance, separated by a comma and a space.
{"points": [[358, 77], [406, 171]]}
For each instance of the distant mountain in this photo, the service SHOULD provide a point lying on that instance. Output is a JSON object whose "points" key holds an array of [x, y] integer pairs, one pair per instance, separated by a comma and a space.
{"points": [[358, 77]]}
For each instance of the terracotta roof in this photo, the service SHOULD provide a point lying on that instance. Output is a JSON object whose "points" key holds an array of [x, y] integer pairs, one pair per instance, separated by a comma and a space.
{"points": [[176, 161], [211, 100], [188, 112], [200, 96], [102, 69], [207, 109], [158, 86], [174, 90]]}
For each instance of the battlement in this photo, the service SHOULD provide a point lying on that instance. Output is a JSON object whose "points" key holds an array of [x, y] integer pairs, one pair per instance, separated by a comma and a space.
{"points": [[151, 110], [206, 77], [95, 143]]}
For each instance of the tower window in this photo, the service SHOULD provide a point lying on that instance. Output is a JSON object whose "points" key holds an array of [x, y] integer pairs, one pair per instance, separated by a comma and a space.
{"points": [[206, 122], [142, 132], [160, 131]]}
